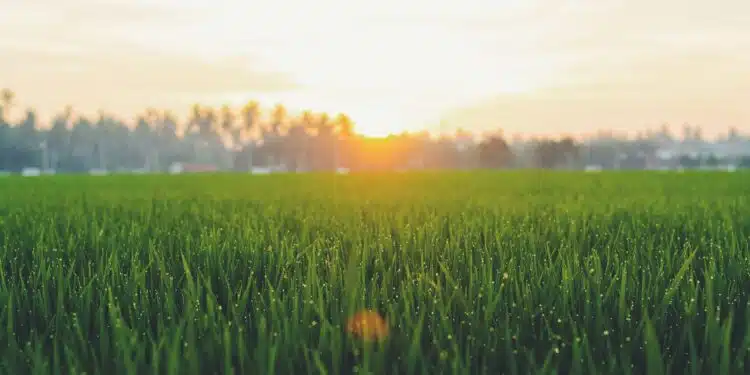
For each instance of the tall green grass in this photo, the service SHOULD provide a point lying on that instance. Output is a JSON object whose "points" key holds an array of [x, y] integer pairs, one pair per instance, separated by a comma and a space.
{"points": [[496, 273]]}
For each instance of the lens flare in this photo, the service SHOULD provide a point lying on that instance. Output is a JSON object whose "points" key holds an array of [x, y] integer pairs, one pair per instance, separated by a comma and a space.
{"points": [[367, 325]]}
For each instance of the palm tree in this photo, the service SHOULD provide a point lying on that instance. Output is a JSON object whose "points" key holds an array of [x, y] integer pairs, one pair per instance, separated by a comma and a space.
{"points": [[226, 117], [344, 130], [170, 124], [273, 143], [27, 131], [294, 141], [344, 125], [201, 126], [209, 121], [152, 115], [228, 128], [278, 118], [323, 142], [194, 120], [306, 124], [250, 116], [6, 100], [156, 123], [323, 123], [101, 139], [307, 119], [67, 115], [250, 120], [7, 97], [227, 123], [201, 120], [142, 135], [59, 139]]}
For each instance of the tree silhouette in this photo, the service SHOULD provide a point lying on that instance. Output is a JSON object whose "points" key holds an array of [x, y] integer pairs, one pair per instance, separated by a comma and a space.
{"points": [[494, 152], [237, 138], [7, 97], [250, 124], [272, 140], [278, 118], [556, 154], [344, 130]]}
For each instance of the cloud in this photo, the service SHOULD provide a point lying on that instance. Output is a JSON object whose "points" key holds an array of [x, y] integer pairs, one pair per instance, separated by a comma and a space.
{"points": [[699, 88], [624, 65], [126, 81], [95, 12], [144, 72], [92, 24]]}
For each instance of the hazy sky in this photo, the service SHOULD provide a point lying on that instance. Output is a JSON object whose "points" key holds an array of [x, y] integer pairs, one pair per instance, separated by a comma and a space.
{"points": [[532, 66]]}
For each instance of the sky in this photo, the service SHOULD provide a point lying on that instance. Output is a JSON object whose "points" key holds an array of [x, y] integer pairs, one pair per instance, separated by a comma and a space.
{"points": [[531, 66]]}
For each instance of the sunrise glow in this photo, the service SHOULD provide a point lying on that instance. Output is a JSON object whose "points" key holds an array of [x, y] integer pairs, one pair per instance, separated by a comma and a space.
{"points": [[393, 67]]}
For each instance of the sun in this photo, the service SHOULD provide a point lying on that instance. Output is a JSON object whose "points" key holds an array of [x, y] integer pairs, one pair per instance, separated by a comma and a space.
{"points": [[373, 131], [375, 128], [375, 117]]}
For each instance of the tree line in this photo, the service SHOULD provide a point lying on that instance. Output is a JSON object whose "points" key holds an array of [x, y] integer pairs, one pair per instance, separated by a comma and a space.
{"points": [[243, 138]]}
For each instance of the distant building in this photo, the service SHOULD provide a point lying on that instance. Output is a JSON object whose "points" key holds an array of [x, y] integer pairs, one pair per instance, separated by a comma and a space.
{"points": [[261, 170], [178, 168], [31, 172]]}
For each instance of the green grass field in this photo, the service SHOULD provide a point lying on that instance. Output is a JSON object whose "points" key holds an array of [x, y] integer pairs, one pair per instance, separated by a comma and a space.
{"points": [[496, 273]]}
